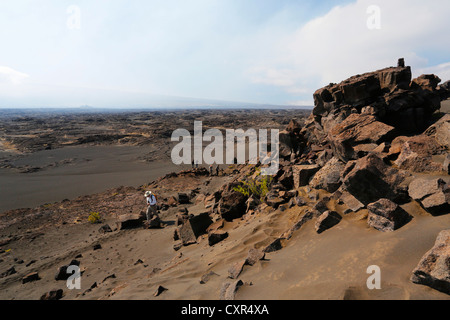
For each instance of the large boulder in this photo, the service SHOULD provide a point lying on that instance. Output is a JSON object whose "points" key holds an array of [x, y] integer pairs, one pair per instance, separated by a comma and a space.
{"points": [[416, 153], [441, 131], [357, 129], [385, 215], [433, 269], [232, 205], [193, 227], [433, 194], [370, 179], [329, 177], [130, 221]]}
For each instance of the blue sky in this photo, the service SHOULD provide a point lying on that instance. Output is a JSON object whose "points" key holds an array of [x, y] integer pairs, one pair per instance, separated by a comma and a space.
{"points": [[134, 53]]}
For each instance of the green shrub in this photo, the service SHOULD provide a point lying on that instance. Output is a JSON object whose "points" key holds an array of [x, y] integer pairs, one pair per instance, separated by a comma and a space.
{"points": [[94, 217]]}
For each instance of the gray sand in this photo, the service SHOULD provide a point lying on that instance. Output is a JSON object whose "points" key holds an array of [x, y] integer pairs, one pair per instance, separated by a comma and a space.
{"points": [[90, 170]]}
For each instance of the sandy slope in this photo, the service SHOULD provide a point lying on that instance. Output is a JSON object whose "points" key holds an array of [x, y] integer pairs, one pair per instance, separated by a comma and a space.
{"points": [[331, 265]]}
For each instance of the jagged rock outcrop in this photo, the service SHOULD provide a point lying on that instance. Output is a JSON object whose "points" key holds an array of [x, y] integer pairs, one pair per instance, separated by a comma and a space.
{"points": [[389, 94]]}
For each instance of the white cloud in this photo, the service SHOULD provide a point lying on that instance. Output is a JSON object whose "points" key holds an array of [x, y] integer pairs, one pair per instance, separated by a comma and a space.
{"points": [[339, 44], [11, 76]]}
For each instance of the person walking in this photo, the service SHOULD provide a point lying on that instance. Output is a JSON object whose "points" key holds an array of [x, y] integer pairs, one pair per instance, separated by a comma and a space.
{"points": [[151, 203]]}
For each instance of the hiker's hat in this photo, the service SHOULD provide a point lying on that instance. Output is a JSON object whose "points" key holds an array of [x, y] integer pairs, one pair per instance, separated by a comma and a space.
{"points": [[148, 193]]}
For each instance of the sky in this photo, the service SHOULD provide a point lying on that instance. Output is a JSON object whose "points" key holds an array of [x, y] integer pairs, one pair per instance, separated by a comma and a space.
{"points": [[136, 53]]}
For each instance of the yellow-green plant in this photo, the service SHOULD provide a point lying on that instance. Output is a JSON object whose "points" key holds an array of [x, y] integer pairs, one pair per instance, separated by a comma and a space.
{"points": [[94, 217], [258, 188]]}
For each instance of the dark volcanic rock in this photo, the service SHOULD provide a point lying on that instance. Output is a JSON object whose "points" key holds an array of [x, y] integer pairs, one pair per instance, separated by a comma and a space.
{"points": [[433, 194], [62, 273], [52, 295], [327, 220], [194, 227], [329, 177], [34, 276], [8, 272], [355, 130], [130, 221], [434, 268], [232, 205], [370, 179], [183, 198], [388, 94], [215, 237], [276, 245], [385, 215]]}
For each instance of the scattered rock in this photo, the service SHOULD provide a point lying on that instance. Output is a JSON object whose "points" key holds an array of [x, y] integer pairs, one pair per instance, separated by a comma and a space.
{"points": [[327, 220], [228, 290], [62, 274], [130, 221], [433, 194], [8, 272], [232, 205], [105, 229], [206, 277], [236, 269], [215, 237], [52, 295], [385, 215], [159, 291], [34, 276], [274, 246], [307, 216], [193, 228], [254, 255], [433, 269], [154, 223]]}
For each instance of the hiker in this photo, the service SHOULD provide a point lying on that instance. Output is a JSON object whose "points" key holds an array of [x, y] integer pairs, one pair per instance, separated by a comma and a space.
{"points": [[193, 164], [217, 170], [211, 170], [151, 202]]}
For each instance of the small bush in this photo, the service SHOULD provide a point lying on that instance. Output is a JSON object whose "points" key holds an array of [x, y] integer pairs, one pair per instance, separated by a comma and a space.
{"points": [[94, 217], [258, 188]]}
